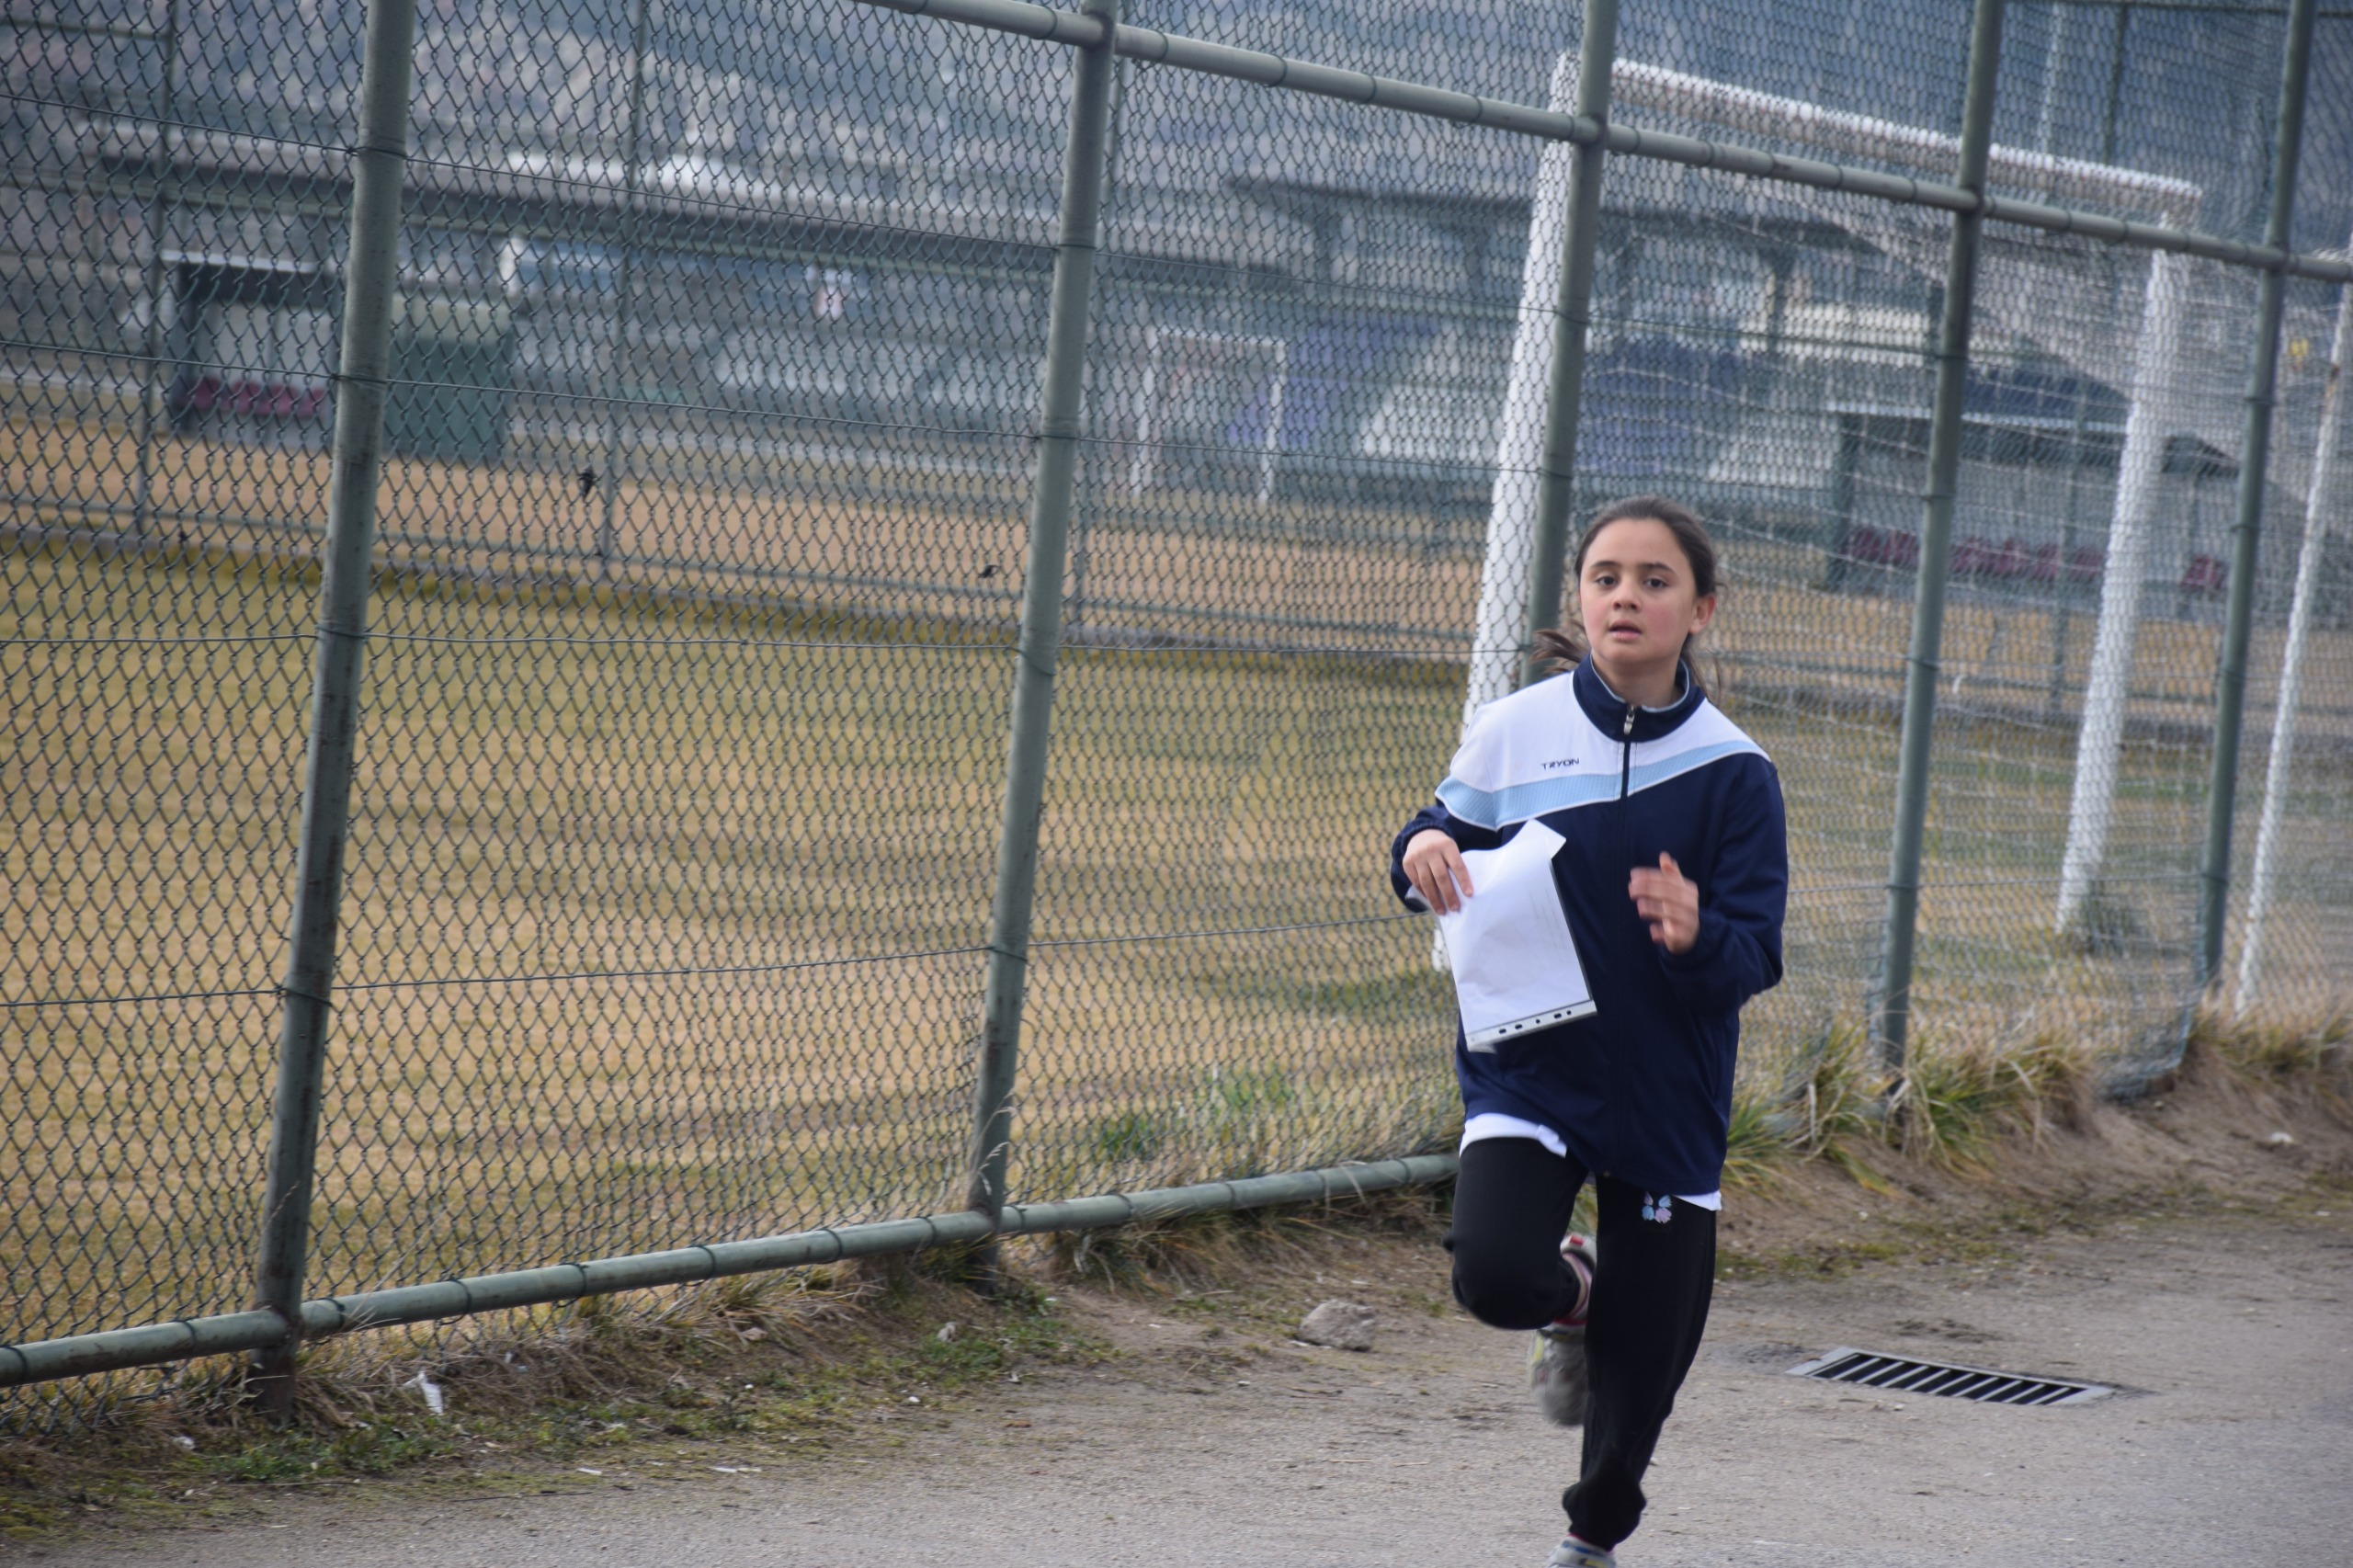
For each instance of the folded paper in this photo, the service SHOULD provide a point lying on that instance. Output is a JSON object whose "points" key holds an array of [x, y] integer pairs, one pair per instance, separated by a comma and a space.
{"points": [[1516, 967]]}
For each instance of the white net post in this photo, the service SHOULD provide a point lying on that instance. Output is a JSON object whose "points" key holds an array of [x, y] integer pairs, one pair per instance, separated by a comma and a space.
{"points": [[2279, 769], [1520, 442], [2106, 693]]}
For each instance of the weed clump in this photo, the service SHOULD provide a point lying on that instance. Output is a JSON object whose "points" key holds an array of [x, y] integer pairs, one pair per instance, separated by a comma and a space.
{"points": [[1950, 1106], [2320, 1049]]}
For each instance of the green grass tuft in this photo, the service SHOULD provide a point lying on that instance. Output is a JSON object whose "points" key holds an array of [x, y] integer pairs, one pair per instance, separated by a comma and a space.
{"points": [[2318, 1046], [1757, 1143], [1950, 1106], [1130, 1135], [365, 1448], [1954, 1104]]}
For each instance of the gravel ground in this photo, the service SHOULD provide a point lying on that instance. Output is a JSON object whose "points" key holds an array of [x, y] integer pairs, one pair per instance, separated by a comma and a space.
{"points": [[2230, 1336]]}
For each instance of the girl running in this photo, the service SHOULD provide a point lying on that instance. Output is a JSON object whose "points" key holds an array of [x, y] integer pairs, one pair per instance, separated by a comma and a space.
{"points": [[1673, 878]]}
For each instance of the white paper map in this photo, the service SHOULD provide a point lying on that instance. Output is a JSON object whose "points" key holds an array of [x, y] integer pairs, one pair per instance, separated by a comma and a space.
{"points": [[1516, 969]]}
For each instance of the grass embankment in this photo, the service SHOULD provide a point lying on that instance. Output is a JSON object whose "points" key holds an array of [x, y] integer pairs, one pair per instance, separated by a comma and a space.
{"points": [[663, 914], [654, 1389], [832, 1365], [1968, 1145]]}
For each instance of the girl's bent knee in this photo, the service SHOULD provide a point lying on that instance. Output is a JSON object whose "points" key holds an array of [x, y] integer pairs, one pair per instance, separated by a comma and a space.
{"points": [[1504, 1297]]}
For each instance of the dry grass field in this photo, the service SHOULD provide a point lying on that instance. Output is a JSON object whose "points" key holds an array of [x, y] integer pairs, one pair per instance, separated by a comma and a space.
{"points": [[666, 899]]}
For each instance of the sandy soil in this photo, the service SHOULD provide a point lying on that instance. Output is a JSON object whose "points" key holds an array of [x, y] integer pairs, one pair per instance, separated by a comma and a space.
{"points": [[2230, 1336], [2222, 1314]]}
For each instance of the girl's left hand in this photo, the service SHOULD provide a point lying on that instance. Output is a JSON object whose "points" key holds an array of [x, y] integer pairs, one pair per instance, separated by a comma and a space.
{"points": [[1670, 902]]}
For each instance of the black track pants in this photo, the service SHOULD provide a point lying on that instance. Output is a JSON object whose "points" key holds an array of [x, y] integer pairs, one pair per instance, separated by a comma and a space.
{"points": [[1651, 1290]]}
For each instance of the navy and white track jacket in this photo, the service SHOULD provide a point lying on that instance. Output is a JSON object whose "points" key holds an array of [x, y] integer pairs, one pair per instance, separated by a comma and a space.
{"points": [[1642, 1088]]}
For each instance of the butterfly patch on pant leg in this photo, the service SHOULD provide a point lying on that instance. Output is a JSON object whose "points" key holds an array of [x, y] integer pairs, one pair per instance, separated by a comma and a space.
{"points": [[1659, 1211]]}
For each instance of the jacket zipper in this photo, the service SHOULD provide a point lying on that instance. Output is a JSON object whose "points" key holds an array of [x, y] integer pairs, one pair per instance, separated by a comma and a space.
{"points": [[1626, 848], [1626, 785]]}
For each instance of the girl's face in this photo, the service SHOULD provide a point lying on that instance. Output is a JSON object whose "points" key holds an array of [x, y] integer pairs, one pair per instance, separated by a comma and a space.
{"points": [[1636, 597]]}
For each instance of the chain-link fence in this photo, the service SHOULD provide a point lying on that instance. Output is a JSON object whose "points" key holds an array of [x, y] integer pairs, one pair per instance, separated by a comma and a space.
{"points": [[675, 904]]}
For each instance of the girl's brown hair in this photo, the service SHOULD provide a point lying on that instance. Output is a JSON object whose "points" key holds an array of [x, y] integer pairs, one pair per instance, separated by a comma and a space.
{"points": [[1564, 647]]}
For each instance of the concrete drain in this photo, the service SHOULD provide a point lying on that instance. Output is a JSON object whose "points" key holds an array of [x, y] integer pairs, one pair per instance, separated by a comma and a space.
{"points": [[1907, 1374]]}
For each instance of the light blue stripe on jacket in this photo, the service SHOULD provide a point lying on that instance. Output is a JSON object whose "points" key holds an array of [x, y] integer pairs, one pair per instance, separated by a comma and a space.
{"points": [[1646, 774], [1519, 802]]}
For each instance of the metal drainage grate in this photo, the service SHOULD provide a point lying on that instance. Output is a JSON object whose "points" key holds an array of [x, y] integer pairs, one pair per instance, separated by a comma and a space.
{"points": [[1905, 1374]]}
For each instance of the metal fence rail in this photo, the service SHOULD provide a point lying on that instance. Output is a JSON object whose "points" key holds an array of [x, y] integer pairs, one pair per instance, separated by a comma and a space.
{"points": [[877, 575]]}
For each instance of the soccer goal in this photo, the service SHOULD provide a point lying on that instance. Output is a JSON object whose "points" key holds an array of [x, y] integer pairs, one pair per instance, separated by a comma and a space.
{"points": [[1209, 411]]}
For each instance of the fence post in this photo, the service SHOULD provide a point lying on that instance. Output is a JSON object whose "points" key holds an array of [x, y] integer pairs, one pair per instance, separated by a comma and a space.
{"points": [[2309, 562], [1571, 317], [380, 162], [624, 302], [1041, 611], [2246, 532], [1100, 496], [156, 386], [1891, 1015]]}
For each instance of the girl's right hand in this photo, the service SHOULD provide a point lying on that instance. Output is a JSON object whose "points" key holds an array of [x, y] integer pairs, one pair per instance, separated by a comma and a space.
{"points": [[1434, 867]]}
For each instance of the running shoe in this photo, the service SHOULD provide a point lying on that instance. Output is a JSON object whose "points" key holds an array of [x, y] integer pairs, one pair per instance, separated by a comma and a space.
{"points": [[1574, 1553], [1556, 1366]]}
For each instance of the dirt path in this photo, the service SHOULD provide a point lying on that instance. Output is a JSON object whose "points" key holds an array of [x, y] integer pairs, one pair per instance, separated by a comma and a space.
{"points": [[1208, 1442]]}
